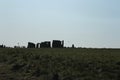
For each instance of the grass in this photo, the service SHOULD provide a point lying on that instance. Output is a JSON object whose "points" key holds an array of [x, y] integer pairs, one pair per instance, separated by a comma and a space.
{"points": [[59, 64]]}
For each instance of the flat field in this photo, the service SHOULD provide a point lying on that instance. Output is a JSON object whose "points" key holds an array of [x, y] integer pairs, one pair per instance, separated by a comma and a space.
{"points": [[59, 64]]}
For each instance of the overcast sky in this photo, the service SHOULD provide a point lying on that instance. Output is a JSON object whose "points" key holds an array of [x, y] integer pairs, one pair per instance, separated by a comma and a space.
{"points": [[85, 23]]}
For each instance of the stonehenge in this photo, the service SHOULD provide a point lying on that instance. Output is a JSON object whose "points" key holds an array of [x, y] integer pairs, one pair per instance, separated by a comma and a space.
{"points": [[47, 44], [44, 44]]}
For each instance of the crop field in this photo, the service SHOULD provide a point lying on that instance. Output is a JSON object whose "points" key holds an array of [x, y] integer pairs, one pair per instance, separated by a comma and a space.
{"points": [[59, 64]]}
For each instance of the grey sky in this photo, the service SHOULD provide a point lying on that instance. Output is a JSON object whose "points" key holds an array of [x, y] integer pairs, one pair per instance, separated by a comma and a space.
{"points": [[85, 23]]}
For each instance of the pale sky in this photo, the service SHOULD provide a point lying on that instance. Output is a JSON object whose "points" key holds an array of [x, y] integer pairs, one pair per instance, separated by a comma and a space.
{"points": [[85, 23]]}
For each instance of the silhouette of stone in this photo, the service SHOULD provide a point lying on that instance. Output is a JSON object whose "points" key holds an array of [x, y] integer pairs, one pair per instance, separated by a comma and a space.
{"points": [[38, 45], [62, 45], [57, 44], [2, 46], [73, 46], [46, 44], [31, 45]]}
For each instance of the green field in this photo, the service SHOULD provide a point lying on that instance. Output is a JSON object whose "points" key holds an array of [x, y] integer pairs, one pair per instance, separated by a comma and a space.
{"points": [[59, 64]]}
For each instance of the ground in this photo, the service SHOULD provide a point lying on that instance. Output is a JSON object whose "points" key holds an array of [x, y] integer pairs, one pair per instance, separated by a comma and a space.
{"points": [[59, 64]]}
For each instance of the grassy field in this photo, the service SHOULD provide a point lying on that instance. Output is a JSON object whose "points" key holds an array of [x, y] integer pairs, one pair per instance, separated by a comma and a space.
{"points": [[59, 64]]}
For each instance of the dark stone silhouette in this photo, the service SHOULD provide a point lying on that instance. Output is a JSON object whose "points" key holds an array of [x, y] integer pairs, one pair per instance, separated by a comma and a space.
{"points": [[38, 45], [73, 46], [57, 44], [2, 46], [45, 44], [31, 45]]}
